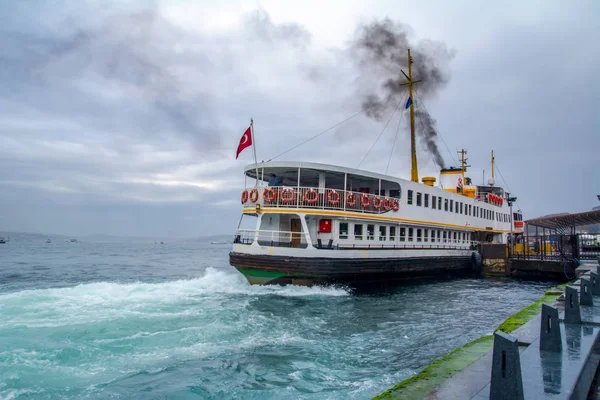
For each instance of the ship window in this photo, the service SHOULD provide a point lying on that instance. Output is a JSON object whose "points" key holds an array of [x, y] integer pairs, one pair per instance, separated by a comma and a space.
{"points": [[470, 210], [410, 194], [433, 202], [445, 236], [402, 234], [419, 196], [461, 207], [433, 235], [419, 237], [439, 203], [426, 200], [393, 233], [382, 233], [370, 232], [410, 234], [425, 235], [358, 231], [454, 237], [343, 230], [395, 193], [445, 204]]}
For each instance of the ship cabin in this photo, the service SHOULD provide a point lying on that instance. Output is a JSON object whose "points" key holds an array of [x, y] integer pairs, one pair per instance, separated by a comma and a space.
{"points": [[325, 207]]}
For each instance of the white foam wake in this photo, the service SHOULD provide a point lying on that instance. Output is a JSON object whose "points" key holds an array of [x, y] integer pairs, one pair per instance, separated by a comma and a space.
{"points": [[108, 300]]}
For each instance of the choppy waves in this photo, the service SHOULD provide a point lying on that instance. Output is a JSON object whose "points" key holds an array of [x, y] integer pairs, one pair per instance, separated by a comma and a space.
{"points": [[215, 336]]}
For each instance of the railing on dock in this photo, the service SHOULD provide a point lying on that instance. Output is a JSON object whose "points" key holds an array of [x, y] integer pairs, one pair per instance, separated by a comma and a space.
{"points": [[557, 247]]}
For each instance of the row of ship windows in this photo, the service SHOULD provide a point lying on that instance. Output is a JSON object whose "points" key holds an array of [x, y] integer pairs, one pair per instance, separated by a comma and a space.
{"points": [[422, 200], [384, 233]]}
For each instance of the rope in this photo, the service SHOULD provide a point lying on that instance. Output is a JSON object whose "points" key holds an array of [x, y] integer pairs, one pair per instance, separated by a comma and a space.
{"points": [[378, 136], [506, 183], [436, 131], [328, 129], [395, 137]]}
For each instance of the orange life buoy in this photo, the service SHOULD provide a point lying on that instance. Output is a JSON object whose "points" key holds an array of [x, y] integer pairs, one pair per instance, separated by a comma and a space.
{"points": [[333, 197], [244, 196], [387, 204], [350, 199], [395, 205], [377, 203], [254, 195], [269, 194], [364, 200], [287, 195], [311, 199]]}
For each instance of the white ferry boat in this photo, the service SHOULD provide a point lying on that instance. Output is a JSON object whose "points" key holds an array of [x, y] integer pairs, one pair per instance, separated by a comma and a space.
{"points": [[321, 223]]}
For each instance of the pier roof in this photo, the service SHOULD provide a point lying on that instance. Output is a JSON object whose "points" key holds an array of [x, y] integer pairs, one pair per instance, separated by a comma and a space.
{"points": [[567, 220]]}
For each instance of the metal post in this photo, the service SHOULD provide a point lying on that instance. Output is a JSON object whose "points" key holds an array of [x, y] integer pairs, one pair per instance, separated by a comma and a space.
{"points": [[512, 238], [526, 244], [543, 242], [298, 191], [345, 186]]}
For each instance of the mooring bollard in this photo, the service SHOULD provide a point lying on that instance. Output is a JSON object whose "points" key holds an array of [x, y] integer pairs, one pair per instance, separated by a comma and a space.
{"points": [[572, 312], [506, 383], [595, 278], [585, 293], [550, 329]]}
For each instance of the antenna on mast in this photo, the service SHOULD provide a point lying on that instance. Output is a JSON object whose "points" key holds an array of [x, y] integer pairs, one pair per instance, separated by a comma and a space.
{"points": [[492, 180], [414, 171]]}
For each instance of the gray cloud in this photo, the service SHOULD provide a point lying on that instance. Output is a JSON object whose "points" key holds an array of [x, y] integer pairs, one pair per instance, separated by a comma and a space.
{"points": [[122, 119]]}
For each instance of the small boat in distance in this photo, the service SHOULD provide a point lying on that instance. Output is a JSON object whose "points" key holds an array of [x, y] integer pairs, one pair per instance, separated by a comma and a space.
{"points": [[48, 241], [2, 240]]}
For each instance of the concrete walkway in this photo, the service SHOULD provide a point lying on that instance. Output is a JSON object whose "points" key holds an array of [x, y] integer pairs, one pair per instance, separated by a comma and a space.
{"points": [[545, 375]]}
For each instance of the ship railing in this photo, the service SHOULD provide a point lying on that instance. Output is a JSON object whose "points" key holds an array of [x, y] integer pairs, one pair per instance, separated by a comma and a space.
{"points": [[320, 198], [404, 245], [271, 238]]}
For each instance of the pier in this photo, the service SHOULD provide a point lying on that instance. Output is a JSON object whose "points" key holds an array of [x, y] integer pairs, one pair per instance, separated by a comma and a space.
{"points": [[550, 349], [552, 252]]}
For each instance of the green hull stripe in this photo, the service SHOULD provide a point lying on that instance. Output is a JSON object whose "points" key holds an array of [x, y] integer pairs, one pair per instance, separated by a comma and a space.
{"points": [[261, 274]]}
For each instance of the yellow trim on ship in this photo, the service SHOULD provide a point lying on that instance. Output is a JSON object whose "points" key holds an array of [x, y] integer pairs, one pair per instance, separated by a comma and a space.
{"points": [[370, 216]]}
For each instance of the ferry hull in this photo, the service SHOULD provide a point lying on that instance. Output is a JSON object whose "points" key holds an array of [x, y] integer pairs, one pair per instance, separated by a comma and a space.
{"points": [[271, 269]]}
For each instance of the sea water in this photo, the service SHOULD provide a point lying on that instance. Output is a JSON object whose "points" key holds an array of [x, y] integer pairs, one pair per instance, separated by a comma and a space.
{"points": [[145, 320]]}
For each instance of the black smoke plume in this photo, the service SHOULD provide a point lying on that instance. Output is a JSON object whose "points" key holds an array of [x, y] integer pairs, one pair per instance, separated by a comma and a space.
{"points": [[428, 135], [380, 48]]}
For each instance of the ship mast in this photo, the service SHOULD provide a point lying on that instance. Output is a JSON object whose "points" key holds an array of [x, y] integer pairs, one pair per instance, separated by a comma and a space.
{"points": [[493, 179], [414, 171]]}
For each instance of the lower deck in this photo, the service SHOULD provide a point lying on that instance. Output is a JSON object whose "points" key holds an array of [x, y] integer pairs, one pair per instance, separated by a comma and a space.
{"points": [[301, 231], [308, 249]]}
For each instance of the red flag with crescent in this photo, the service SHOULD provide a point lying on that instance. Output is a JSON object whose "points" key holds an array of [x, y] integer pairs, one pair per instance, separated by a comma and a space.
{"points": [[245, 141]]}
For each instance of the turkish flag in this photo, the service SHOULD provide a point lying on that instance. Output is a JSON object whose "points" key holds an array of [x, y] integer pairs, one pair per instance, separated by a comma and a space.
{"points": [[245, 141]]}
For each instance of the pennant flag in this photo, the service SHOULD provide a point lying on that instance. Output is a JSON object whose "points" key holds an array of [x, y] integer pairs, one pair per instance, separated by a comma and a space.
{"points": [[245, 141], [408, 103]]}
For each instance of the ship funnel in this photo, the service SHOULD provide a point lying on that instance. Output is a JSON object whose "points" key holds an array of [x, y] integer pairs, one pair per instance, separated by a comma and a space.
{"points": [[428, 180]]}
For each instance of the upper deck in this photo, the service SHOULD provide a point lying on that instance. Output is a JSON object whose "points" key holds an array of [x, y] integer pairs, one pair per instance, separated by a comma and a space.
{"points": [[313, 185], [299, 185]]}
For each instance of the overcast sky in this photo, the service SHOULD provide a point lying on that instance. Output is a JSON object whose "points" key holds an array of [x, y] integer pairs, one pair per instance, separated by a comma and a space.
{"points": [[123, 118]]}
